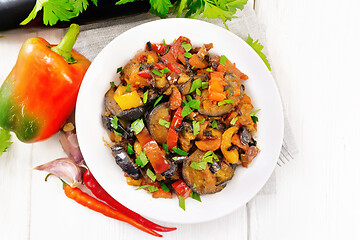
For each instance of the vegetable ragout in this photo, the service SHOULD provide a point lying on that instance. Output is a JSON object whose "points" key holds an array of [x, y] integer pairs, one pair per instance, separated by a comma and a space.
{"points": [[180, 120]]}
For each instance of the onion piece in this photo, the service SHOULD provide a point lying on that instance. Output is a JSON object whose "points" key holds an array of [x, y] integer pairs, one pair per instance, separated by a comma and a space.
{"points": [[64, 168]]}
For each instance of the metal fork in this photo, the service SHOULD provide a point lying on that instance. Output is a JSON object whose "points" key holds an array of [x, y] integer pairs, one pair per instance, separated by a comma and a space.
{"points": [[285, 155]]}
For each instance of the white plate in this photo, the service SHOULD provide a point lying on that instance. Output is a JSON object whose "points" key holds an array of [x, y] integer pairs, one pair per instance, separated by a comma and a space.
{"points": [[260, 87]]}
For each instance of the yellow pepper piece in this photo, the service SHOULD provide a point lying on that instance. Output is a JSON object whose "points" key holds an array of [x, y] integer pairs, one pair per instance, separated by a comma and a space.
{"points": [[127, 100], [231, 156]]}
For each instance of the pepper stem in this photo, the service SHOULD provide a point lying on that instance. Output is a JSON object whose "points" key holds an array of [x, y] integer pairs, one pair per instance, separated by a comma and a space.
{"points": [[65, 46]]}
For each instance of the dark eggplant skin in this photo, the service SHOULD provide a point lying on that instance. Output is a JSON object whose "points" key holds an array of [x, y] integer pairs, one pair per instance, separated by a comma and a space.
{"points": [[125, 162], [157, 131], [130, 114], [172, 171], [126, 133]]}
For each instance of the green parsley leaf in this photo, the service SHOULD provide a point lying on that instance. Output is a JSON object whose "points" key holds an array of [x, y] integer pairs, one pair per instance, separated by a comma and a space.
{"points": [[186, 46], [198, 165], [223, 59], [112, 84], [187, 55], [128, 88], [258, 47], [226, 101], [254, 112], [196, 127], [195, 85], [117, 134], [164, 187], [214, 124], [166, 148], [5, 142], [186, 110], [189, 98], [209, 70], [114, 122], [119, 69], [198, 92], [194, 185], [150, 174], [157, 72], [209, 157], [164, 123], [158, 100], [204, 85], [151, 188], [137, 126], [195, 104], [160, 7], [165, 70], [145, 97], [181, 202], [130, 149], [179, 151], [234, 120], [142, 159], [195, 196], [255, 119]]}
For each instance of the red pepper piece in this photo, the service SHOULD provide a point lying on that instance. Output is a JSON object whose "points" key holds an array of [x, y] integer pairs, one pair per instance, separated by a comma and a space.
{"points": [[41, 90], [181, 188], [87, 201], [173, 136], [153, 151], [159, 47], [93, 185], [145, 74], [160, 65]]}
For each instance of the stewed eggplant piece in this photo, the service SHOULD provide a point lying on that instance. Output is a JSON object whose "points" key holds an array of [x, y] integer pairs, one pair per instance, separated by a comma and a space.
{"points": [[158, 131], [126, 133], [125, 162], [130, 114]]}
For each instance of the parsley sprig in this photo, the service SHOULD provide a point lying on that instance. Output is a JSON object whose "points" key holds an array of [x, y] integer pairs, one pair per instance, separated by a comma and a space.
{"points": [[4, 140]]}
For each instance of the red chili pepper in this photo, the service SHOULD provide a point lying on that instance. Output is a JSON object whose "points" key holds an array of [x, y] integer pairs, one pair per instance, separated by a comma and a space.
{"points": [[98, 206], [153, 151], [181, 188], [100, 193], [173, 136], [145, 74], [160, 65]]}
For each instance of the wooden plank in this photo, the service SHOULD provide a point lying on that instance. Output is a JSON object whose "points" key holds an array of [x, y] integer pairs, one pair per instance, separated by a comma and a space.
{"points": [[314, 62]]}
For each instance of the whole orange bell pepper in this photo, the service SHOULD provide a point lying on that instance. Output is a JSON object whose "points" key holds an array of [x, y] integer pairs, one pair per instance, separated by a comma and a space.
{"points": [[40, 92]]}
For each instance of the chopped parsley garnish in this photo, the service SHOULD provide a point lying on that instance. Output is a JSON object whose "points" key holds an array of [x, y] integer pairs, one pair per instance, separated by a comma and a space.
{"points": [[151, 188], [198, 92], [186, 110], [130, 149], [214, 124], [186, 46], [226, 101], [196, 84], [179, 151], [142, 159], [198, 165], [164, 187], [195, 196], [204, 85], [223, 59], [119, 69], [209, 157], [196, 126], [234, 120], [5, 142], [114, 122], [158, 100], [112, 84], [194, 185], [187, 55], [165, 70], [209, 70], [181, 202], [145, 97], [166, 148], [137, 126], [254, 118], [195, 104], [164, 123], [117, 134], [128, 88], [157, 72], [151, 174]]}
